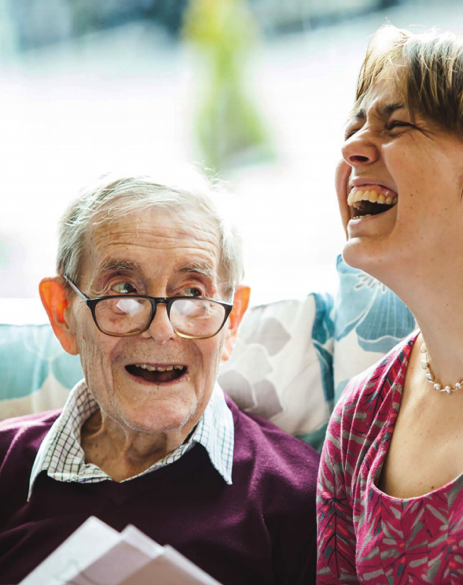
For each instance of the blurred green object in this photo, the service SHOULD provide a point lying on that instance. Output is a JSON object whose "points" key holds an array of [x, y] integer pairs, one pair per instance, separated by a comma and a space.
{"points": [[229, 127]]}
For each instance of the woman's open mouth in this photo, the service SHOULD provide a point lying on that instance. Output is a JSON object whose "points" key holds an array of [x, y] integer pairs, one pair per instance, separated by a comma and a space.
{"points": [[370, 200], [157, 374]]}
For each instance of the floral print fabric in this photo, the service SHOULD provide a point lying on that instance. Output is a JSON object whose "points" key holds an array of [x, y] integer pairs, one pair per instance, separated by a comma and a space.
{"points": [[366, 536]]}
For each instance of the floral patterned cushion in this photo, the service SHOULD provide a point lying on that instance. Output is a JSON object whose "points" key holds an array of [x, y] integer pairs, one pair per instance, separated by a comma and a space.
{"points": [[370, 320], [281, 367]]}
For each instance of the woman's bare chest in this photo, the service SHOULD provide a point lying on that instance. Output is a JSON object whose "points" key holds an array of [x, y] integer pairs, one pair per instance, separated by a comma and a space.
{"points": [[426, 450]]}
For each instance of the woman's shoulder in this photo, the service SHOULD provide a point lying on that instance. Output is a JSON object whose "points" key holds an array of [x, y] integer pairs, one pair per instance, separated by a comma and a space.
{"points": [[369, 396], [363, 417]]}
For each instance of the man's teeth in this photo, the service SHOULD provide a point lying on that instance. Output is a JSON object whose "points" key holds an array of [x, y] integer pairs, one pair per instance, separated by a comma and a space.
{"points": [[158, 369], [357, 195]]}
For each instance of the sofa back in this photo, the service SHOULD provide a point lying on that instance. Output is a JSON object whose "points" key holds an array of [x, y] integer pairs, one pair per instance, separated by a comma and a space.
{"points": [[291, 361]]}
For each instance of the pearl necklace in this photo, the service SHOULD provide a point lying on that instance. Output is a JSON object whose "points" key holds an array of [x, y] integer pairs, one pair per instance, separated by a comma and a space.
{"points": [[430, 378]]}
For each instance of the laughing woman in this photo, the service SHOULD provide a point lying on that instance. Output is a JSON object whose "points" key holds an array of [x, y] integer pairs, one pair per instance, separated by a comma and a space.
{"points": [[390, 503]]}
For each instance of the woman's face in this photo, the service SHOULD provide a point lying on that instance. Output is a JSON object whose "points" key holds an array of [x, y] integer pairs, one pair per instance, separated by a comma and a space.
{"points": [[399, 187]]}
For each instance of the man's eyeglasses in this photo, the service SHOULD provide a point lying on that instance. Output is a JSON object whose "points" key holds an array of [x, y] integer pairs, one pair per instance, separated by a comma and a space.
{"points": [[127, 315]]}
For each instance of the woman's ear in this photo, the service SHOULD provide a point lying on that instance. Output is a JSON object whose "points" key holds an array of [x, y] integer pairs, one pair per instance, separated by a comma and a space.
{"points": [[54, 298], [240, 304]]}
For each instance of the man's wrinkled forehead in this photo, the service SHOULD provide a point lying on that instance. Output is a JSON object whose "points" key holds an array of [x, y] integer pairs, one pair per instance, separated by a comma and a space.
{"points": [[125, 244], [122, 265]]}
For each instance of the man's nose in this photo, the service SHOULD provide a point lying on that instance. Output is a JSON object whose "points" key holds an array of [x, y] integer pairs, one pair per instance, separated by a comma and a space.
{"points": [[360, 149], [161, 328]]}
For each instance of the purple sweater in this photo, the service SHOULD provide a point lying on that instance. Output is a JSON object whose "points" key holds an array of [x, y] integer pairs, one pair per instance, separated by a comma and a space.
{"points": [[258, 531]]}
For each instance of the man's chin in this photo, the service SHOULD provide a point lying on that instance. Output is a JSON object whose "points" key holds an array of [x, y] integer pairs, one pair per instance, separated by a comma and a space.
{"points": [[159, 420], [156, 411], [156, 408]]}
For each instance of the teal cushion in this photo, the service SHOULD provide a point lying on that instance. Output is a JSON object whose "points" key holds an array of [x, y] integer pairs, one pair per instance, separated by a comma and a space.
{"points": [[31, 357], [370, 320]]}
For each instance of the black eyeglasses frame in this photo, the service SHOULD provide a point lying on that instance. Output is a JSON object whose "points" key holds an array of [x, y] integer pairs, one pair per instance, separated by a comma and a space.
{"points": [[168, 301]]}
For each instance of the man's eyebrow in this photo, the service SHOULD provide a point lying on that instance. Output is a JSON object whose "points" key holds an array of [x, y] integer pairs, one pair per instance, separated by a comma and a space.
{"points": [[203, 268], [119, 265]]}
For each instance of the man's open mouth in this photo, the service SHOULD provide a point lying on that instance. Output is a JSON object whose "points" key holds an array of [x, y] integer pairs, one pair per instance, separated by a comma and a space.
{"points": [[157, 374], [370, 201]]}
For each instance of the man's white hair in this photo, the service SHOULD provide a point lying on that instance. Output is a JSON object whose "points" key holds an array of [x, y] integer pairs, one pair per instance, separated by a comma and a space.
{"points": [[114, 196]]}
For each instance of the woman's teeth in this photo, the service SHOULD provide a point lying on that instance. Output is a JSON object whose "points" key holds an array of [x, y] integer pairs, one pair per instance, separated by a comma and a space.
{"points": [[360, 216], [356, 195], [366, 202]]}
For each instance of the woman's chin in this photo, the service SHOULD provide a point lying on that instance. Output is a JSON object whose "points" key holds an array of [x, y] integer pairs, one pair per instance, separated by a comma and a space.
{"points": [[365, 254], [354, 253]]}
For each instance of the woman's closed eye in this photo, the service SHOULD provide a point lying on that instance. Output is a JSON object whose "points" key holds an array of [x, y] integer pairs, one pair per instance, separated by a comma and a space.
{"points": [[393, 124], [350, 131]]}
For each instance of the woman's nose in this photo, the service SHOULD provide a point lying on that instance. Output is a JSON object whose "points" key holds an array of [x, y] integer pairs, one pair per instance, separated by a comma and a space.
{"points": [[360, 149]]}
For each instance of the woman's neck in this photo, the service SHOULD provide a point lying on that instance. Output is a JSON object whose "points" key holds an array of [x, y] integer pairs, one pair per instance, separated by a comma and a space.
{"points": [[438, 311]]}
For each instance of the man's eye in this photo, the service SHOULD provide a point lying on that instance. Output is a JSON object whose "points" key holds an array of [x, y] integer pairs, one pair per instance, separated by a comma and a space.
{"points": [[123, 288], [191, 292]]}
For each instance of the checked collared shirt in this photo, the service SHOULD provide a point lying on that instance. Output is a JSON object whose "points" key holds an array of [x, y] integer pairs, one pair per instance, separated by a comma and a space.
{"points": [[63, 458]]}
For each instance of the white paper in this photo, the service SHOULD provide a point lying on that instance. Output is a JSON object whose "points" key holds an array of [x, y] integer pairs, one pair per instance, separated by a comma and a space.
{"points": [[88, 543], [171, 568], [96, 554]]}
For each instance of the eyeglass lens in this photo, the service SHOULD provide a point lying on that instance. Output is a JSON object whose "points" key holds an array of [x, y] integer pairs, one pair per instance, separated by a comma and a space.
{"points": [[190, 317]]}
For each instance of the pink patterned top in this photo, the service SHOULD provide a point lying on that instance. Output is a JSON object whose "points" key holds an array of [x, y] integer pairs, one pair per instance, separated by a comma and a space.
{"points": [[366, 536]]}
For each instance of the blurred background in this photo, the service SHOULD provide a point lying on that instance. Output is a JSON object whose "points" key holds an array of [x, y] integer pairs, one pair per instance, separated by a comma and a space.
{"points": [[256, 91]]}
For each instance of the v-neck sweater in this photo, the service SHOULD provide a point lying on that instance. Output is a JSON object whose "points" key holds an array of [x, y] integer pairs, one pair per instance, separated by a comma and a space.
{"points": [[258, 531]]}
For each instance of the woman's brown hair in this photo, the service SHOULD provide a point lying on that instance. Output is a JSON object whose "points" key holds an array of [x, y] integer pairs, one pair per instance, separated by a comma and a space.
{"points": [[427, 69]]}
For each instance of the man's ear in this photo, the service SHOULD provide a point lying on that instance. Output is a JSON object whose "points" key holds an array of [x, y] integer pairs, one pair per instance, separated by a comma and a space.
{"points": [[240, 304], [54, 299]]}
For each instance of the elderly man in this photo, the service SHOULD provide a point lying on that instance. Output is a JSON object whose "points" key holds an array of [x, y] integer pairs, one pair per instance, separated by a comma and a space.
{"points": [[147, 294]]}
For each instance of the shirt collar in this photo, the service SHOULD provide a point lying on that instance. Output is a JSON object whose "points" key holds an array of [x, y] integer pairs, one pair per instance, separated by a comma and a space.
{"points": [[62, 457]]}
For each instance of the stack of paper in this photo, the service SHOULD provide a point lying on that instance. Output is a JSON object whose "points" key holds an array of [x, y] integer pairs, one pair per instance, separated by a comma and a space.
{"points": [[96, 554]]}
